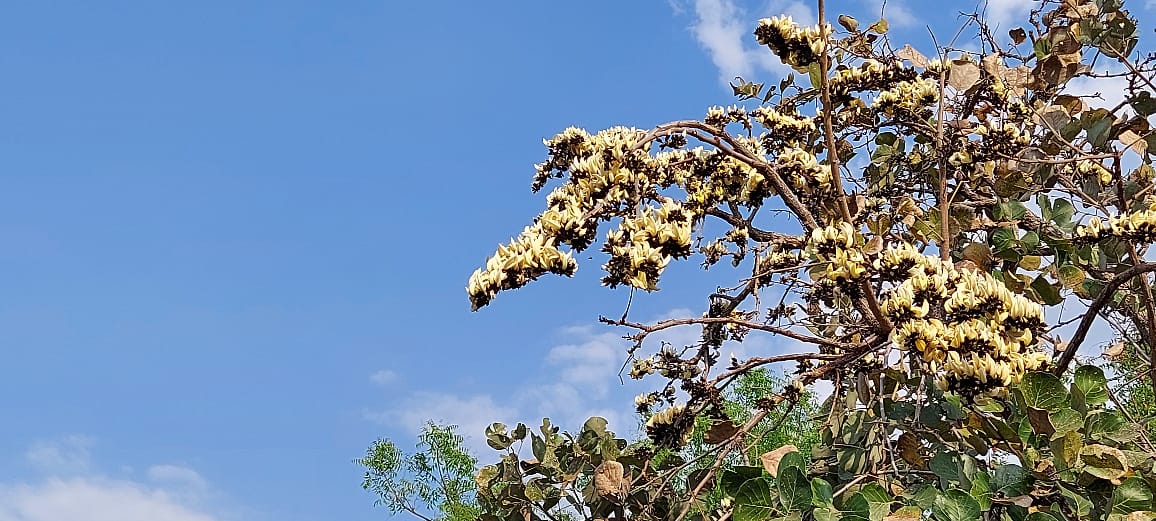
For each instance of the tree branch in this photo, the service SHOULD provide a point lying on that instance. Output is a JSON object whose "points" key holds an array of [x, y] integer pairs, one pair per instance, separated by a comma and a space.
{"points": [[1094, 309]]}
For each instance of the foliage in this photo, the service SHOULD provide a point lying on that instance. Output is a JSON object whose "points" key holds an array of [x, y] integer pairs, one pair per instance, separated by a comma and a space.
{"points": [[1130, 365], [939, 213], [434, 483]]}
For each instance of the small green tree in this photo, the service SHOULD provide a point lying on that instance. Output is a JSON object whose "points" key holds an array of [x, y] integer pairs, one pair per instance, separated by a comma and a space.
{"points": [[436, 483]]}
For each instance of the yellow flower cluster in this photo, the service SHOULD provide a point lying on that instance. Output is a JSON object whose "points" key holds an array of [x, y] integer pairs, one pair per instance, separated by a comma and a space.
{"points": [[846, 264], [798, 47], [783, 128], [804, 171], [1006, 139], [670, 427], [963, 322], [869, 75], [1088, 167], [642, 247], [907, 97], [529, 256], [1139, 226], [609, 177]]}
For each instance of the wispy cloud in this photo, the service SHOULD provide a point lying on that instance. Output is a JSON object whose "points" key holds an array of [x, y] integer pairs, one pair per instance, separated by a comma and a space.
{"points": [[71, 489], [383, 377], [578, 379], [895, 12], [726, 31], [68, 455], [1007, 14]]}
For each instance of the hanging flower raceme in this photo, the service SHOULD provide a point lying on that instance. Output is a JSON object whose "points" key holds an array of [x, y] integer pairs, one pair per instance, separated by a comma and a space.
{"points": [[966, 325]]}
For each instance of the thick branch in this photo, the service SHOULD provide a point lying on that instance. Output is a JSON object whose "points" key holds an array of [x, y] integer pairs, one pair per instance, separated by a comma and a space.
{"points": [[1094, 309]]}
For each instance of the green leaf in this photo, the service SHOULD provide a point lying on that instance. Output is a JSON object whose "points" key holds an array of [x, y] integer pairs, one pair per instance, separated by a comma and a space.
{"points": [[1048, 294], [981, 490], [1010, 480], [497, 437], [1071, 276], [1080, 504], [595, 424], [1011, 210], [955, 505], [794, 490], [792, 460], [879, 27], [821, 492], [1064, 421], [878, 500], [1003, 239], [1092, 382], [1040, 516], [1043, 391], [754, 501], [856, 508], [1133, 495], [1144, 103], [733, 478], [945, 466], [1062, 213]]}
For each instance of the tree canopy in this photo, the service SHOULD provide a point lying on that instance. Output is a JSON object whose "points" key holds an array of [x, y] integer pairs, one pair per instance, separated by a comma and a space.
{"points": [[939, 232]]}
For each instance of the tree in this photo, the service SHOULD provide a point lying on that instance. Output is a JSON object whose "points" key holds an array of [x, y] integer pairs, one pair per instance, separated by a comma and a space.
{"points": [[434, 483], [925, 227]]}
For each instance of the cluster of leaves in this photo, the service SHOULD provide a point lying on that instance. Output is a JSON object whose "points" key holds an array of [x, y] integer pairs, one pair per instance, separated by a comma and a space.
{"points": [[600, 475], [940, 212], [433, 483]]}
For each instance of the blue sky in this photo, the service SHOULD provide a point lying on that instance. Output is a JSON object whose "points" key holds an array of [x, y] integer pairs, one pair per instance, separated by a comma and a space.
{"points": [[236, 234]]}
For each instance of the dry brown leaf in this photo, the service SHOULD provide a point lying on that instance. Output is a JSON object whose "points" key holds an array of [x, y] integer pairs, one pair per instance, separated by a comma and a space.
{"points": [[1135, 141], [908, 445], [610, 480], [963, 74], [1114, 351], [910, 54], [993, 64], [771, 459], [719, 432]]}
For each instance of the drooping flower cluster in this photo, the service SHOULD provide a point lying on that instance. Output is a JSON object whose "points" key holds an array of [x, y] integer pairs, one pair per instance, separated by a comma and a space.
{"points": [[529, 256], [796, 46], [871, 75], [782, 129], [803, 169], [964, 323], [1139, 227], [836, 245], [907, 97], [670, 427], [642, 247]]}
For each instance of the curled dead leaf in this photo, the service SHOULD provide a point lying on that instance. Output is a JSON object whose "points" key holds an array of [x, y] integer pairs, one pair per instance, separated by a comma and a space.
{"points": [[610, 480], [1114, 351], [910, 54], [771, 459]]}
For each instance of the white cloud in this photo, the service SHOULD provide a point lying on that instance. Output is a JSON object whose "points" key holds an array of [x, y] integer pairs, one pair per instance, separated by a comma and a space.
{"points": [[472, 414], [724, 30], [895, 12], [383, 377], [1111, 91], [1008, 14], [91, 499], [185, 478], [72, 489], [579, 379], [68, 455]]}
